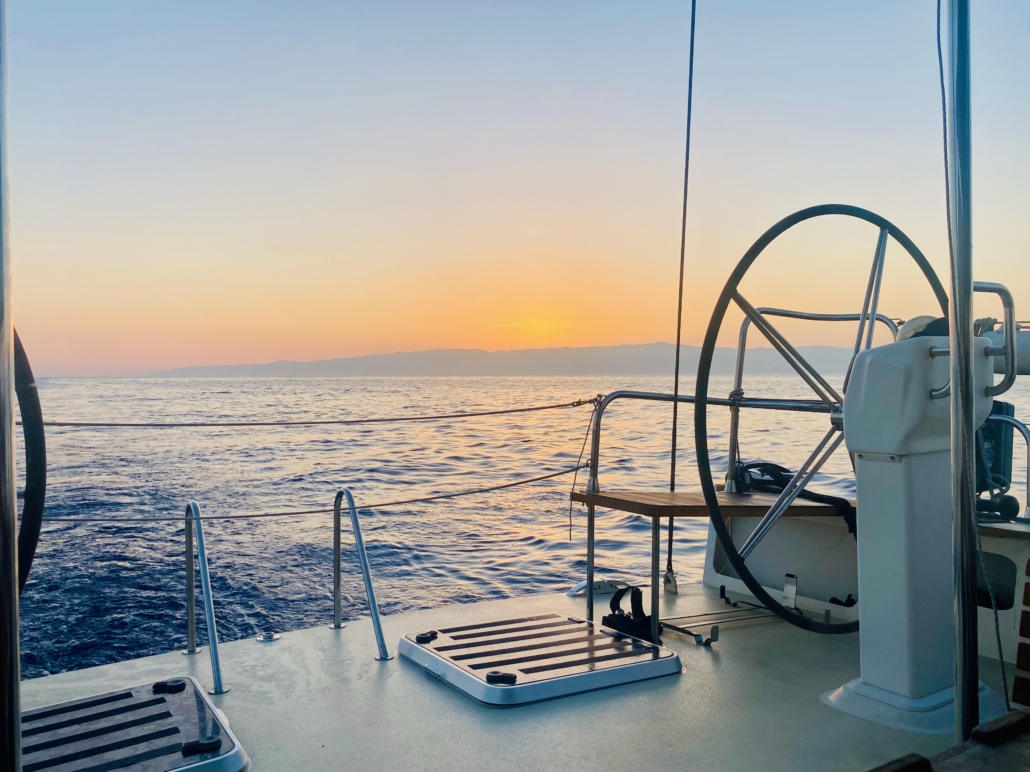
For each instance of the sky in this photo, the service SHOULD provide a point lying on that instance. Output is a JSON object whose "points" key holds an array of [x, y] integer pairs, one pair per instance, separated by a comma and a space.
{"points": [[234, 182]]}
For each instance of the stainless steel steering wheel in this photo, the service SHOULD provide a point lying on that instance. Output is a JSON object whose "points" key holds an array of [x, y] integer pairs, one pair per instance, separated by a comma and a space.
{"points": [[832, 401]]}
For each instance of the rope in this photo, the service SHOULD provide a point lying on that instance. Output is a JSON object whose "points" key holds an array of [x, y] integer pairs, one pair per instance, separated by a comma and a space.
{"points": [[683, 252], [297, 513], [328, 422]]}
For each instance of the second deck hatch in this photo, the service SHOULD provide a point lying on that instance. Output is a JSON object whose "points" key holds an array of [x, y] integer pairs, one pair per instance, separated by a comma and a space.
{"points": [[528, 659]]}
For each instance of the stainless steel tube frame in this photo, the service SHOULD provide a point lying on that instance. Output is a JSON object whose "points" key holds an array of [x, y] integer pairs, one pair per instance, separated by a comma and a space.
{"points": [[191, 588], [738, 370], [805, 406], [795, 405], [337, 565], [1009, 350], [193, 511], [1022, 429], [359, 543], [811, 376], [1011, 335]]}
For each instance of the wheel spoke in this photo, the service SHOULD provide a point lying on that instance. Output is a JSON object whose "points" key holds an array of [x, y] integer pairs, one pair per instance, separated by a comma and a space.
{"points": [[872, 300], [801, 478], [810, 375]]}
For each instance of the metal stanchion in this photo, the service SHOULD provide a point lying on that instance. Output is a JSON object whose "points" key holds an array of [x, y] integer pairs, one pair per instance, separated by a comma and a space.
{"points": [[209, 611]]}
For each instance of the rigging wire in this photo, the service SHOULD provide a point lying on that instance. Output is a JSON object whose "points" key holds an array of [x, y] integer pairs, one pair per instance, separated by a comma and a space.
{"points": [[579, 461], [951, 255], [326, 422], [297, 513], [683, 251]]}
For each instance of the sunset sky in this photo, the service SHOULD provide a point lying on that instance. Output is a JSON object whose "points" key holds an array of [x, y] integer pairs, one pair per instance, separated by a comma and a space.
{"points": [[230, 182]]}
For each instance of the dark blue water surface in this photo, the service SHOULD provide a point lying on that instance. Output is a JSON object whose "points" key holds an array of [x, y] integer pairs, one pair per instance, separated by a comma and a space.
{"points": [[103, 592]]}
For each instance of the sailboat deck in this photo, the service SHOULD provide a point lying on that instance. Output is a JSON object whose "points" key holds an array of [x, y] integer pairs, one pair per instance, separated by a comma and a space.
{"points": [[317, 700]]}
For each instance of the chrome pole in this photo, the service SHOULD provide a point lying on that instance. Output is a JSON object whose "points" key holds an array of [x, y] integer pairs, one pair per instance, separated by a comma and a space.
{"points": [[10, 667], [963, 468], [191, 589], [359, 543], [656, 546], [209, 610], [590, 562], [337, 601], [593, 486]]}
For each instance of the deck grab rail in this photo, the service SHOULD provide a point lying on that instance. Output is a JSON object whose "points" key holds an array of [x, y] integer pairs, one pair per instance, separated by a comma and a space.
{"points": [[193, 517], [359, 543], [194, 520]]}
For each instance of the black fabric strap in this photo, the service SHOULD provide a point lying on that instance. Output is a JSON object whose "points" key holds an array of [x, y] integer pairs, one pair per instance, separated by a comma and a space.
{"points": [[636, 602], [616, 603], [774, 478]]}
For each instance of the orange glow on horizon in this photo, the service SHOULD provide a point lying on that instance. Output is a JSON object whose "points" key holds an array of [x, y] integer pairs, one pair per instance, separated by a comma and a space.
{"points": [[501, 180]]}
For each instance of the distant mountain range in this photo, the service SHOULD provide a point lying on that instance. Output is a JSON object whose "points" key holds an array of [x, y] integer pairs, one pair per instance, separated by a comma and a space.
{"points": [[645, 359]]}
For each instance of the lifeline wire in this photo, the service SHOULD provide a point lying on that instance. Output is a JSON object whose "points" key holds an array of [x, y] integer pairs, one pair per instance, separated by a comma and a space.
{"points": [[579, 461], [297, 513], [683, 251], [951, 254], [327, 422]]}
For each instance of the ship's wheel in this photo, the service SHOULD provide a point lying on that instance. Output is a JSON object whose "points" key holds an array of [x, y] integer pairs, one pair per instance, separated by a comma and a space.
{"points": [[828, 400]]}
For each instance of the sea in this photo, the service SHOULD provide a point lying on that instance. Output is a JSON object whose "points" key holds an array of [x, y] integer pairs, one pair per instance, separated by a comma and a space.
{"points": [[107, 591]]}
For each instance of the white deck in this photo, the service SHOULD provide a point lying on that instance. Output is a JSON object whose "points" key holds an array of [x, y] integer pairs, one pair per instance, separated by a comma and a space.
{"points": [[317, 700]]}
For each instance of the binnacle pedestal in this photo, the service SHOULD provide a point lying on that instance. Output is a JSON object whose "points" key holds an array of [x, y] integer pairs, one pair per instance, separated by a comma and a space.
{"points": [[900, 437]]}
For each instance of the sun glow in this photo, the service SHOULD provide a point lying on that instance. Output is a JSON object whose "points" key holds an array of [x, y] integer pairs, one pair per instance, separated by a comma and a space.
{"points": [[381, 184]]}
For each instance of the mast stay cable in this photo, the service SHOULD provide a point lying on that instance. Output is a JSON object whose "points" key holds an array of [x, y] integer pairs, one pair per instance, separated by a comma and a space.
{"points": [[679, 304]]}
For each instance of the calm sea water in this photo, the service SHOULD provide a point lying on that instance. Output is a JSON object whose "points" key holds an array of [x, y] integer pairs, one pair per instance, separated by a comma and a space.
{"points": [[103, 592]]}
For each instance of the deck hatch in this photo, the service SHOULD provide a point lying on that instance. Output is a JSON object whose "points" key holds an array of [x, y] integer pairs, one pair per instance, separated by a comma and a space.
{"points": [[131, 730], [556, 655]]}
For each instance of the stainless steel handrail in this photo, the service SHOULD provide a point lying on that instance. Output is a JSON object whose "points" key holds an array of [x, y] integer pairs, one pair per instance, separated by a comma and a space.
{"points": [[1009, 350], [811, 376], [338, 623], [193, 511], [1011, 334], [1022, 429], [191, 589], [797, 405], [359, 543], [738, 370], [806, 406]]}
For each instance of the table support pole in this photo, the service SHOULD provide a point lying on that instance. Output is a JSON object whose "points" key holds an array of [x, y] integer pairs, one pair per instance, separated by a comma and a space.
{"points": [[656, 548], [590, 562]]}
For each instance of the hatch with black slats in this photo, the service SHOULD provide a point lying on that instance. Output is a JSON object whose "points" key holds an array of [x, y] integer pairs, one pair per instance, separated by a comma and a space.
{"points": [[156, 727], [528, 659]]}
